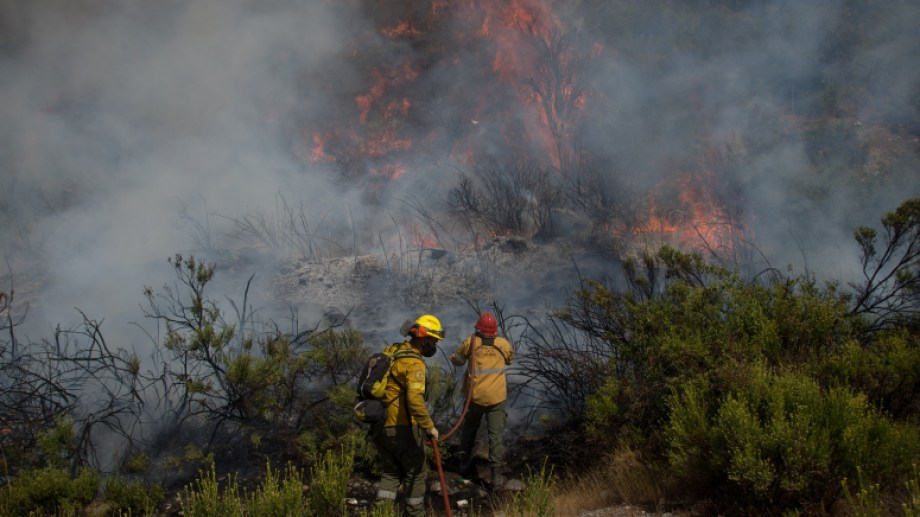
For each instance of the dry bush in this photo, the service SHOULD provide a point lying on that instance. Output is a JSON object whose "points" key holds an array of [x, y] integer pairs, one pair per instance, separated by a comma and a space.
{"points": [[622, 479], [632, 480], [516, 198], [579, 494]]}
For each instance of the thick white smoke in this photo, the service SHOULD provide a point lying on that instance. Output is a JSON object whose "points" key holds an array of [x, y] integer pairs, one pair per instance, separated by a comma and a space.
{"points": [[115, 115]]}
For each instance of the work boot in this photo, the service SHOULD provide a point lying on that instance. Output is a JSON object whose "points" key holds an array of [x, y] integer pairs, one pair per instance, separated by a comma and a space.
{"points": [[468, 469], [498, 480], [465, 466]]}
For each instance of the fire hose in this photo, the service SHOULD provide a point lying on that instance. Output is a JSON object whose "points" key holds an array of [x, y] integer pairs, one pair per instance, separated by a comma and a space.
{"points": [[434, 441], [437, 461]]}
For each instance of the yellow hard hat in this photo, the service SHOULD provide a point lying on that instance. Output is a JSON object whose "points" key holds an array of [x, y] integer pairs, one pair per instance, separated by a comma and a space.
{"points": [[428, 325]]}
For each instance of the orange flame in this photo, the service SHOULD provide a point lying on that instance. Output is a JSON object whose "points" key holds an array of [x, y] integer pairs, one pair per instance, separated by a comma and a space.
{"points": [[319, 148], [700, 222], [403, 30], [423, 238], [519, 32], [390, 171]]}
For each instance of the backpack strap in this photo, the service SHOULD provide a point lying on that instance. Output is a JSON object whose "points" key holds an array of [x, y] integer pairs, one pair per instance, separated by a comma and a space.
{"points": [[406, 353], [491, 342], [401, 354]]}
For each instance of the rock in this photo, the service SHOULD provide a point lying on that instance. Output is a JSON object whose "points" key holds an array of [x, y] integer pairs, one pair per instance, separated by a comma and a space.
{"points": [[513, 485], [435, 487]]}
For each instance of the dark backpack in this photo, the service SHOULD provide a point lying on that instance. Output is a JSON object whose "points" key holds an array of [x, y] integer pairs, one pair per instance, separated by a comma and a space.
{"points": [[369, 407]]}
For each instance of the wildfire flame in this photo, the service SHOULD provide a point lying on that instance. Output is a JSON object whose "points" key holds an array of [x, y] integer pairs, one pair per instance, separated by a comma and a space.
{"points": [[699, 221], [518, 33], [530, 98], [422, 238]]}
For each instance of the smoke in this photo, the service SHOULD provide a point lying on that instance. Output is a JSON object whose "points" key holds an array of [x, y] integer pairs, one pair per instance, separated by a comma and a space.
{"points": [[748, 87], [117, 115]]}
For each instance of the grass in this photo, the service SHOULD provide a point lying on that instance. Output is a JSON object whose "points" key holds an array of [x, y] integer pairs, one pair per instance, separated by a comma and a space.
{"points": [[622, 479]]}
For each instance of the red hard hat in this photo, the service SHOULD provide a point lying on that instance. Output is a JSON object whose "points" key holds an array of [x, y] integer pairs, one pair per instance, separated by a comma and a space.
{"points": [[487, 326]]}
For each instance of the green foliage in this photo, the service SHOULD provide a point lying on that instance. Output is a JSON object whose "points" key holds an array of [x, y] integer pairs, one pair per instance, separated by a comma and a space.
{"points": [[48, 491], [132, 497], [191, 455], [536, 500], [329, 482], [887, 370], [337, 431], [602, 408], [278, 496], [137, 463], [866, 502], [204, 497], [765, 393], [442, 390], [697, 329], [57, 443], [868, 498], [383, 508], [779, 438], [911, 505], [260, 386]]}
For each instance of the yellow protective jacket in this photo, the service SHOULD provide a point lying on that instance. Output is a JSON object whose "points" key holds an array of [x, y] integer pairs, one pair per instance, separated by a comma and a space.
{"points": [[489, 365], [405, 393]]}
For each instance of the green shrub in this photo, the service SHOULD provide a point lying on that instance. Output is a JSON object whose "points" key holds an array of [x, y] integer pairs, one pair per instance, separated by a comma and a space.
{"points": [[48, 491], [911, 505], [329, 482], [260, 387], [693, 331], [57, 443], [866, 502], [764, 393], [204, 497], [780, 438], [137, 463], [382, 508], [536, 500], [887, 370], [278, 496], [133, 497]]}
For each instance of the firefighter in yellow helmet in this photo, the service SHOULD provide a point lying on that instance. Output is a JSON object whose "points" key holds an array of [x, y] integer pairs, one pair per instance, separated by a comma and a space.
{"points": [[487, 374], [408, 426]]}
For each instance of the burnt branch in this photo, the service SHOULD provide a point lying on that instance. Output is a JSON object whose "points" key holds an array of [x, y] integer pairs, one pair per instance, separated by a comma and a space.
{"points": [[516, 198], [558, 367], [247, 377], [75, 377], [890, 286]]}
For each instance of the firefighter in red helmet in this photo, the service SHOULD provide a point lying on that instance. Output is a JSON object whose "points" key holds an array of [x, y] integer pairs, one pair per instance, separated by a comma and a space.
{"points": [[486, 374]]}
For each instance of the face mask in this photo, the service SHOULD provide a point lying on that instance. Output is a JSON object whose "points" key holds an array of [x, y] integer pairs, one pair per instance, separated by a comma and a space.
{"points": [[428, 350]]}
